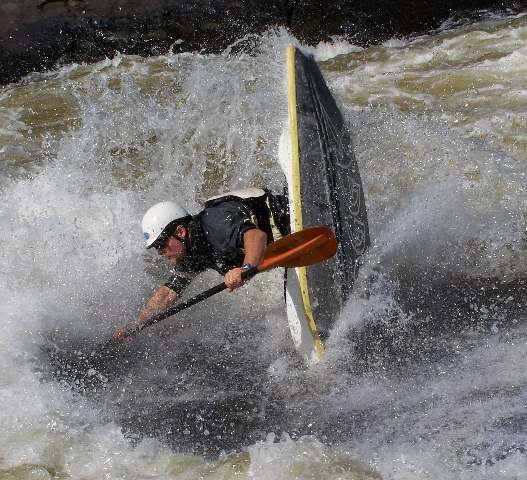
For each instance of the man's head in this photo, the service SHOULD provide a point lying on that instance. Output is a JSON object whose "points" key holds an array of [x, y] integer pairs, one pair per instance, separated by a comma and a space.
{"points": [[165, 228]]}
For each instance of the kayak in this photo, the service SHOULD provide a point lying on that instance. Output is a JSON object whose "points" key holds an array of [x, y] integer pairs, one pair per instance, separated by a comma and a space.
{"points": [[324, 188]]}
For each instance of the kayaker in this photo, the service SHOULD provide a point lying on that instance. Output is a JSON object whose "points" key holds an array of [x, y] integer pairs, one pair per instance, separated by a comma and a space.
{"points": [[229, 235]]}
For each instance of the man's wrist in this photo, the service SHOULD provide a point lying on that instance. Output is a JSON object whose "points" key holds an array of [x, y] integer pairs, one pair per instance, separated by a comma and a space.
{"points": [[247, 266]]}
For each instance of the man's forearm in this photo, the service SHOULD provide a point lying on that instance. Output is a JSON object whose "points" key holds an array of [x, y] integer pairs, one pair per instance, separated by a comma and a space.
{"points": [[254, 243], [162, 299]]}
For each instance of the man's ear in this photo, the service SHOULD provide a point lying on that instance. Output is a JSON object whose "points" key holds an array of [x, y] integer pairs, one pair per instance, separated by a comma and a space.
{"points": [[181, 231]]}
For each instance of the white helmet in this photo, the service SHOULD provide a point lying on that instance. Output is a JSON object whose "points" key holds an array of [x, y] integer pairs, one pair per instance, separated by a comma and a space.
{"points": [[158, 217]]}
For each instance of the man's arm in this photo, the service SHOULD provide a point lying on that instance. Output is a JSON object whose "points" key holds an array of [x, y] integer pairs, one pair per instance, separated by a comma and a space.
{"points": [[162, 299], [254, 243]]}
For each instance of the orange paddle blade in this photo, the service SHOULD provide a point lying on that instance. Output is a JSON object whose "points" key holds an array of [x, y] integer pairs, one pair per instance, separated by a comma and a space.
{"points": [[300, 249]]}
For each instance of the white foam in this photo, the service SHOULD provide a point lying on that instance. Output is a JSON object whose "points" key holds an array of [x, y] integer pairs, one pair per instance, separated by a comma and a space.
{"points": [[338, 46], [288, 460]]}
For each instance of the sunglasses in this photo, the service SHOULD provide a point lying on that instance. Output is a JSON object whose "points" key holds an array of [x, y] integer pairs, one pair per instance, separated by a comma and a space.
{"points": [[160, 243]]}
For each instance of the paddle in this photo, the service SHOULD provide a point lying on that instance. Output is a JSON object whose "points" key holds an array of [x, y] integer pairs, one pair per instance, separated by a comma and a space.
{"points": [[90, 367], [299, 249]]}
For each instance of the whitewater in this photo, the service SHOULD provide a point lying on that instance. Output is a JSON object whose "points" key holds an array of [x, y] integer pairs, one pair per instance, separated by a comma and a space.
{"points": [[424, 375]]}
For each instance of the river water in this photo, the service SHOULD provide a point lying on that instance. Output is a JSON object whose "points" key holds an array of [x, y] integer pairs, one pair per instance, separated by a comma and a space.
{"points": [[424, 376]]}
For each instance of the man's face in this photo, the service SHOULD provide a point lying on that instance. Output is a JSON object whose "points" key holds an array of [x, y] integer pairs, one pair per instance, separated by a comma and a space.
{"points": [[173, 249]]}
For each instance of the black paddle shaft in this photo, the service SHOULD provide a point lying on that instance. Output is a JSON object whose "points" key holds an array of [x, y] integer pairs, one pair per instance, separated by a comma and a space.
{"points": [[251, 272]]}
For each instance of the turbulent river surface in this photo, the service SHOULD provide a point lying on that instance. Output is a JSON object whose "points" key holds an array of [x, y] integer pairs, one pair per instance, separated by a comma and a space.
{"points": [[425, 373]]}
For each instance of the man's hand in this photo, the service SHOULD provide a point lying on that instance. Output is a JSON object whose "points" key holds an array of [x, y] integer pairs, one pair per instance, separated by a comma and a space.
{"points": [[254, 242], [233, 279], [120, 336]]}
